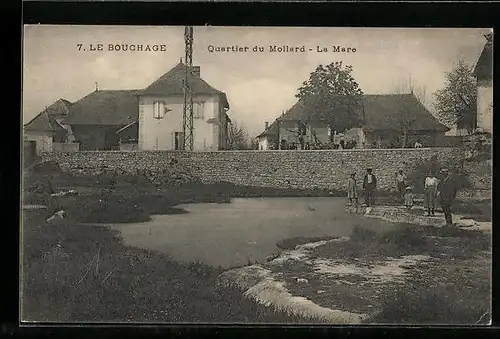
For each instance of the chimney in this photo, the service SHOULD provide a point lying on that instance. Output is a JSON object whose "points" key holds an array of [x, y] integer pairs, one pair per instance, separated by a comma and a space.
{"points": [[195, 70], [266, 125]]}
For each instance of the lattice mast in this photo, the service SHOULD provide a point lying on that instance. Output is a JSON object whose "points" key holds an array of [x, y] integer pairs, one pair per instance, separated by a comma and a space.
{"points": [[188, 124]]}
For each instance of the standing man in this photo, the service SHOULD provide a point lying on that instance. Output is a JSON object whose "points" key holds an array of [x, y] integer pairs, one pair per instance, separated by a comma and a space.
{"points": [[369, 185], [401, 184], [430, 192], [352, 191], [447, 192]]}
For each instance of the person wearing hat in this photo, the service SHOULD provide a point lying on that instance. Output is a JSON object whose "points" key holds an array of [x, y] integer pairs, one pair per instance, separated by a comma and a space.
{"points": [[369, 185], [447, 192], [408, 196]]}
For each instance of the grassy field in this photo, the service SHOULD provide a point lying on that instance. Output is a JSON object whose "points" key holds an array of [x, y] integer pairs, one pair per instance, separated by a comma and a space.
{"points": [[77, 273], [84, 273]]}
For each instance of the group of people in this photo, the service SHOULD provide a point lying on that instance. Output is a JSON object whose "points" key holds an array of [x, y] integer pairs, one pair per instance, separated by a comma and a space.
{"points": [[369, 187], [440, 188]]}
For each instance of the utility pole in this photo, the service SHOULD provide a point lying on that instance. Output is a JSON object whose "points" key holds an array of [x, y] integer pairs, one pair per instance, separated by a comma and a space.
{"points": [[188, 124]]}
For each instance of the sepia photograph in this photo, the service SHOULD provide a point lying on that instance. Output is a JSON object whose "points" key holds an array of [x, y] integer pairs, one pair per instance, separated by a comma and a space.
{"points": [[256, 175]]}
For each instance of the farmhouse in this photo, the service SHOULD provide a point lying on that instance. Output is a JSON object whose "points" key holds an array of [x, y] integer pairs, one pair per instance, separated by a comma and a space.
{"points": [[484, 75], [48, 131], [147, 119], [383, 121]]}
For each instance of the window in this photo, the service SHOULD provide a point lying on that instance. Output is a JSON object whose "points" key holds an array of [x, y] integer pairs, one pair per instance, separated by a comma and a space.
{"points": [[178, 141], [159, 109], [198, 110]]}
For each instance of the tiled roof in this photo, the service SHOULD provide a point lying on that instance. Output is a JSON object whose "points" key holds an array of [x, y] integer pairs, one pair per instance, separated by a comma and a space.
{"points": [[171, 83], [59, 108], [121, 107], [46, 120], [105, 107], [43, 122], [270, 130], [381, 112]]}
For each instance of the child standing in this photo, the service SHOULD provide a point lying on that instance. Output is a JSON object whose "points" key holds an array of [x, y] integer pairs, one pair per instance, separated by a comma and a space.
{"points": [[408, 198], [352, 191]]}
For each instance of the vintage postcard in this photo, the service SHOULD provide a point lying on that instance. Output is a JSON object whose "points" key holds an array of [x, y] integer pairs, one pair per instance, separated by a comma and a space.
{"points": [[256, 175]]}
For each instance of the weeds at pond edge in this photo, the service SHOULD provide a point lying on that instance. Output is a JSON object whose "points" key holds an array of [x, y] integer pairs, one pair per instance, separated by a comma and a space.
{"points": [[456, 291], [75, 274]]}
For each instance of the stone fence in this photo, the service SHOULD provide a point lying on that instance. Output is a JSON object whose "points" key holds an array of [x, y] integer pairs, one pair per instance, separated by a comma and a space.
{"points": [[320, 169]]}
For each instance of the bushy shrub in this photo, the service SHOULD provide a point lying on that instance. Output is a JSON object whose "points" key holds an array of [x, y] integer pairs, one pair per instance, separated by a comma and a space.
{"points": [[417, 177], [435, 305]]}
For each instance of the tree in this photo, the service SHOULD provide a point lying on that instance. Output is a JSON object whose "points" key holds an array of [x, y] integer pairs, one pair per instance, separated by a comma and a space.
{"points": [[333, 96], [237, 137], [456, 102], [405, 116], [254, 144]]}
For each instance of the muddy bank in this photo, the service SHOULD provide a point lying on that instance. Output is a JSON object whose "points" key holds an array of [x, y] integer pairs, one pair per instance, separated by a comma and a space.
{"points": [[367, 277]]}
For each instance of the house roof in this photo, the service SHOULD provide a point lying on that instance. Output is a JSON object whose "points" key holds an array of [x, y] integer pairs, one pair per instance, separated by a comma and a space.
{"points": [[171, 83], [59, 108], [105, 107], [46, 120], [127, 126], [381, 112], [270, 130], [484, 66], [43, 122]]}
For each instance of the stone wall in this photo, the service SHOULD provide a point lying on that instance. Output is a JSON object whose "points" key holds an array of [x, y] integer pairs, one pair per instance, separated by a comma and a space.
{"points": [[322, 169]]}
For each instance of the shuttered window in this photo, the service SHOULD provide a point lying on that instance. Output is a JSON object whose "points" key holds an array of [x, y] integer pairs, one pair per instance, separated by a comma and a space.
{"points": [[199, 110], [159, 109]]}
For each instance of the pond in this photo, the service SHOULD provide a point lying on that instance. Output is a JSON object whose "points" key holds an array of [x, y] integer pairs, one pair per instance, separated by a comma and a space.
{"points": [[245, 230]]}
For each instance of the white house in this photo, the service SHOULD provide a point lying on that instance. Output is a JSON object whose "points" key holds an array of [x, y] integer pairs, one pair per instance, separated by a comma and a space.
{"points": [[148, 119], [484, 75], [161, 113]]}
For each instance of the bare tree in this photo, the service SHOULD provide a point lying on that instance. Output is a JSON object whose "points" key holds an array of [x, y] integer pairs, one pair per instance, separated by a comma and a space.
{"points": [[406, 118], [238, 138], [254, 144]]}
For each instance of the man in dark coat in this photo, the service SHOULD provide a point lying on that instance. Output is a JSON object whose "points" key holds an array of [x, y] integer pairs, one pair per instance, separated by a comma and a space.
{"points": [[369, 185], [447, 192]]}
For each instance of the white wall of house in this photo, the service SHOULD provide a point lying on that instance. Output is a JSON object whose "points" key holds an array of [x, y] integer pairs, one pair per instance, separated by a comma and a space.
{"points": [[160, 134], [43, 140], [454, 131], [263, 143], [485, 106], [321, 132]]}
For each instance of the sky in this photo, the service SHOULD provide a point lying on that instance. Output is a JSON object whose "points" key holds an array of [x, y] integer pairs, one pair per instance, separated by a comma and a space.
{"points": [[259, 85]]}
